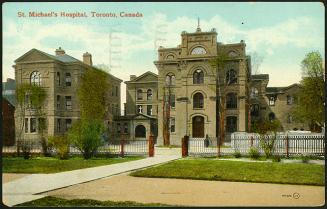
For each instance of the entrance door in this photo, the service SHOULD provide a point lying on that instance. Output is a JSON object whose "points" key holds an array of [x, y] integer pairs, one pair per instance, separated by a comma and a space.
{"points": [[198, 127]]}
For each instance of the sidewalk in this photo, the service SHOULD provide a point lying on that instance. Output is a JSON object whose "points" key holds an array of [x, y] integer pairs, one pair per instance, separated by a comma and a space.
{"points": [[25, 189]]}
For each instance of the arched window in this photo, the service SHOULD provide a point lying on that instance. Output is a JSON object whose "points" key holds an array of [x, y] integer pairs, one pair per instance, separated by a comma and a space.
{"points": [[231, 101], [198, 77], [254, 92], [149, 94], [231, 77], [36, 78], [198, 100], [139, 94], [170, 80], [271, 116]]}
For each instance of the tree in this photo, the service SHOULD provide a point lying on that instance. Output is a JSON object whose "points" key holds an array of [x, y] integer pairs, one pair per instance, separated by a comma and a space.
{"points": [[256, 61], [103, 67], [309, 101], [61, 144], [86, 135], [31, 98]]}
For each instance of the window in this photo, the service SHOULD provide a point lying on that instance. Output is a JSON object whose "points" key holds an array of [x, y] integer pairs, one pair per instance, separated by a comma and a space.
{"points": [[116, 91], [26, 125], [118, 128], [170, 80], [271, 101], [58, 125], [36, 78], [68, 102], [198, 77], [172, 125], [231, 77], [58, 102], [255, 110], [198, 100], [125, 128], [172, 100], [139, 108], [117, 109], [149, 94], [149, 110], [68, 124], [42, 124], [254, 92], [58, 78], [198, 50], [231, 124], [33, 125], [68, 79], [139, 94], [271, 116], [289, 119], [231, 101], [289, 99]]}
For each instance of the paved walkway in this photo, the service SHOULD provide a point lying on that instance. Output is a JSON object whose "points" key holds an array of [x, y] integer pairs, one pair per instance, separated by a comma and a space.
{"points": [[193, 192], [25, 189]]}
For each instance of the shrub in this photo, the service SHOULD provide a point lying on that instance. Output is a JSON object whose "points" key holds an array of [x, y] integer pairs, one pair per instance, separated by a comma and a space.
{"points": [[276, 158], [254, 153], [86, 135], [305, 158], [268, 144], [61, 144], [26, 148], [237, 154]]}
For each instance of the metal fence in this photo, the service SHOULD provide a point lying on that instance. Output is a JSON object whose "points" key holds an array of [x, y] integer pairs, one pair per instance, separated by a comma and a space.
{"points": [[112, 147], [285, 143]]}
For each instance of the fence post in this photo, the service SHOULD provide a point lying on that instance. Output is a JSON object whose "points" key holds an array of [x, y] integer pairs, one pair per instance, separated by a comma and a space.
{"points": [[286, 145], [218, 141], [185, 146], [122, 144], [151, 145], [251, 141]]}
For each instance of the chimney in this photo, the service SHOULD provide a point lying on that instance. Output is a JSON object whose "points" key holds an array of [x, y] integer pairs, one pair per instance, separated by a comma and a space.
{"points": [[87, 58], [131, 77], [60, 51]]}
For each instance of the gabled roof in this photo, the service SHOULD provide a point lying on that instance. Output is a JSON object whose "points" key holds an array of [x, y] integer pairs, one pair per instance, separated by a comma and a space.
{"points": [[276, 90], [136, 116], [143, 76], [65, 58]]}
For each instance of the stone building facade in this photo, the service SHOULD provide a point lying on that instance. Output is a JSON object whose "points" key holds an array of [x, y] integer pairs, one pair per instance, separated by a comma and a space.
{"points": [[141, 107], [59, 75]]}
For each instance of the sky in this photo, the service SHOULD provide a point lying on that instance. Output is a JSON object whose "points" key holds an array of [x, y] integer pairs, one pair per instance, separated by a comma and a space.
{"points": [[279, 33]]}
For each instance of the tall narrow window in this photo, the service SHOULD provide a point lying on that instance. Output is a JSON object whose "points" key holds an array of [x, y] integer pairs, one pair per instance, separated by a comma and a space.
{"points": [[198, 77], [36, 78], [26, 125], [149, 94], [231, 101], [198, 100], [68, 124], [139, 108], [139, 94], [170, 80], [149, 110], [58, 102], [68, 79], [68, 102], [58, 125], [231, 124], [272, 101], [172, 100], [116, 91], [117, 109], [33, 125], [58, 78], [118, 128], [289, 99], [231, 77], [172, 125], [126, 128]]}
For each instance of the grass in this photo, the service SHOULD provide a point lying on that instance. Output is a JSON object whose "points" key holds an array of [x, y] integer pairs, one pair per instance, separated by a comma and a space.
{"points": [[59, 202], [54, 165], [263, 172]]}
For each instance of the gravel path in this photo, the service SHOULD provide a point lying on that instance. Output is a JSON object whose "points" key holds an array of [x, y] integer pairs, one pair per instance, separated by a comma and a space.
{"points": [[193, 192]]}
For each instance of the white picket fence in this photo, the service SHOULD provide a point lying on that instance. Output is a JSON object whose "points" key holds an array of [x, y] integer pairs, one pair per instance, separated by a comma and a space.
{"points": [[285, 143]]}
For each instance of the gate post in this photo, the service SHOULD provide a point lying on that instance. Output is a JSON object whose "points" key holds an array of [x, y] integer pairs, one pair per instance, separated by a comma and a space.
{"points": [[287, 145], [185, 146], [151, 145], [122, 144]]}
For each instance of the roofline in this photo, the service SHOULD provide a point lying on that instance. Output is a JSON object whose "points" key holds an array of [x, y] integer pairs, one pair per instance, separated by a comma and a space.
{"points": [[142, 75]]}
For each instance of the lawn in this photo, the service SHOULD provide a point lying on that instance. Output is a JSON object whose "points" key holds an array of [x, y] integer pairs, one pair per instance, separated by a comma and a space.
{"points": [[218, 170], [54, 165], [59, 202]]}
